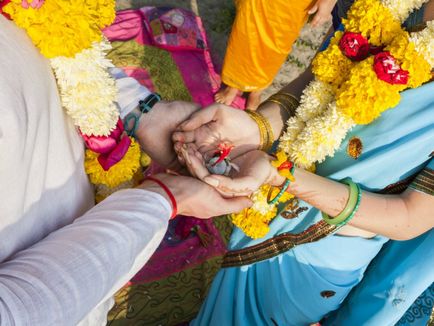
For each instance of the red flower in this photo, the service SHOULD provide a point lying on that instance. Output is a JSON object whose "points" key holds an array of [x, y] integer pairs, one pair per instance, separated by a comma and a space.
{"points": [[223, 152], [2, 4], [354, 46], [388, 70]]}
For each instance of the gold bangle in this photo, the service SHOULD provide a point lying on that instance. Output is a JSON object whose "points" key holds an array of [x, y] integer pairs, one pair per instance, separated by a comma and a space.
{"points": [[286, 101], [261, 127], [265, 130], [289, 110]]}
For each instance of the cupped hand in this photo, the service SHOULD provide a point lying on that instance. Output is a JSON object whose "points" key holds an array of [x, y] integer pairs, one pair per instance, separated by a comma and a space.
{"points": [[215, 124], [156, 128], [253, 169], [196, 198]]}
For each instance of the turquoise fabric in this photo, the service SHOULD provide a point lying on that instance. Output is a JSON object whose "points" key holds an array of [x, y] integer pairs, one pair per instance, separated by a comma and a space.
{"points": [[286, 290], [395, 279]]}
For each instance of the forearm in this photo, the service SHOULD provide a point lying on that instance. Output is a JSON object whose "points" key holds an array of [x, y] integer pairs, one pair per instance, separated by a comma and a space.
{"points": [[393, 216], [275, 114], [61, 278]]}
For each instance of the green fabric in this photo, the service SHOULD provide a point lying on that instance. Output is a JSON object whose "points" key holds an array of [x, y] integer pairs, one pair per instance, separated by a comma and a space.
{"points": [[172, 300], [158, 63]]}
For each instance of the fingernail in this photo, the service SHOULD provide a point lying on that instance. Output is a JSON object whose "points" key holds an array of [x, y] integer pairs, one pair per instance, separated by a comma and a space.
{"points": [[211, 181]]}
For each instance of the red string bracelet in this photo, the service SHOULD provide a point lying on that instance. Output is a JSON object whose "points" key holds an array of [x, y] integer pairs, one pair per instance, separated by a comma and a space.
{"points": [[169, 193]]}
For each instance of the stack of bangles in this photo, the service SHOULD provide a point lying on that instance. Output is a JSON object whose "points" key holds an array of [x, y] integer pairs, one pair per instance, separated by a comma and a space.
{"points": [[286, 101], [285, 166], [265, 132], [169, 194], [351, 207]]}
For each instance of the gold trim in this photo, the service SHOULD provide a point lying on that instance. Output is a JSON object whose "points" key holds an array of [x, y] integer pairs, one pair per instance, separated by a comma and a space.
{"points": [[277, 245]]}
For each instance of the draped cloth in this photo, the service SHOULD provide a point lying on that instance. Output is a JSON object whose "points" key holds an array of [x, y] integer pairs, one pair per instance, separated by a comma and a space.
{"points": [[260, 41], [300, 284]]}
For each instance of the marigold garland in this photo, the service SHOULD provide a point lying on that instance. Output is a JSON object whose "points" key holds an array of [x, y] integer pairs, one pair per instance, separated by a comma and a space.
{"points": [[254, 221], [69, 33], [63, 27], [121, 172], [346, 92], [359, 94]]}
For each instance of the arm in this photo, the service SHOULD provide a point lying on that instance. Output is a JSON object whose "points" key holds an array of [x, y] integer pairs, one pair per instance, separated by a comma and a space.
{"points": [[61, 278], [64, 276], [399, 217]]}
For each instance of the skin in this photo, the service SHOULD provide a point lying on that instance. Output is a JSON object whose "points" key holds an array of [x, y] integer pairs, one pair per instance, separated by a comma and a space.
{"points": [[398, 217], [195, 198]]}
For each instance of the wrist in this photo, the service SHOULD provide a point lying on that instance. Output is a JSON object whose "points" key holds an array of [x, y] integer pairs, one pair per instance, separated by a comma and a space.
{"points": [[170, 191], [276, 117]]}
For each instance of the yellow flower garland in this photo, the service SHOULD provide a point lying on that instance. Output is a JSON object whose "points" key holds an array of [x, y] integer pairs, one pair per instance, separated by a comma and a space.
{"points": [[63, 27], [121, 172], [69, 33], [358, 96]]}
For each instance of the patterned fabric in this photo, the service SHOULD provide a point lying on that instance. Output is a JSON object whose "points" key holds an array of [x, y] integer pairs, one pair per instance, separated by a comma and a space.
{"points": [[424, 182], [171, 287], [420, 311], [277, 245], [173, 28]]}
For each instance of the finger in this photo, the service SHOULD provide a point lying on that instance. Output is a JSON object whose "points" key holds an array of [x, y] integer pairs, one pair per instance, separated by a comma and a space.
{"points": [[199, 118], [313, 9], [183, 136], [196, 165], [233, 205], [241, 186]]}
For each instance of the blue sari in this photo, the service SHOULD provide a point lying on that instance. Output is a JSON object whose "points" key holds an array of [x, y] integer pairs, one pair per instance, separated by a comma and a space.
{"points": [[270, 282]]}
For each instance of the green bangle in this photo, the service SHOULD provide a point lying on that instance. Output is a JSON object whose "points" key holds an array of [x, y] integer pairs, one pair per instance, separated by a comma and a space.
{"points": [[281, 192], [350, 208]]}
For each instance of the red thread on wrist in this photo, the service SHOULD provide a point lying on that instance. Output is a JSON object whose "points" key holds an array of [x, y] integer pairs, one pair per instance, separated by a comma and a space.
{"points": [[169, 194]]}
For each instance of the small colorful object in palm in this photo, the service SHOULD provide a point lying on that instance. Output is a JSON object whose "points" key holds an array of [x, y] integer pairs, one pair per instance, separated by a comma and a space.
{"points": [[221, 163]]}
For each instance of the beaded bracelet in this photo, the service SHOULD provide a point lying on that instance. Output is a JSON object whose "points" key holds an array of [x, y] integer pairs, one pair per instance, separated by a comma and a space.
{"points": [[351, 207], [265, 130], [169, 194]]}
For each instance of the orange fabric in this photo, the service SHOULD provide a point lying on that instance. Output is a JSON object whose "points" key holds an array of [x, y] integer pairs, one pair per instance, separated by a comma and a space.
{"points": [[260, 41]]}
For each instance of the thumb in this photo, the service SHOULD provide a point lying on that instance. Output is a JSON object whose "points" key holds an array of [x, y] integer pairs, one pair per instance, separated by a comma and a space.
{"points": [[313, 9], [198, 119], [236, 204]]}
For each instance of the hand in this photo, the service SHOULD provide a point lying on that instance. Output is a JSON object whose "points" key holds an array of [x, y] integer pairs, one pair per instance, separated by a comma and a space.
{"points": [[156, 127], [322, 10], [196, 198], [218, 123], [254, 170]]}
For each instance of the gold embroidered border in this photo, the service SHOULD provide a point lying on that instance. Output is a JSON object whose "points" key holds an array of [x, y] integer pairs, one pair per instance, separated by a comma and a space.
{"points": [[277, 245], [284, 242], [424, 182]]}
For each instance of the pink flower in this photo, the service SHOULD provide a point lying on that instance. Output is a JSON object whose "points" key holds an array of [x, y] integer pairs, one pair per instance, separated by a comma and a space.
{"points": [[35, 4], [388, 70]]}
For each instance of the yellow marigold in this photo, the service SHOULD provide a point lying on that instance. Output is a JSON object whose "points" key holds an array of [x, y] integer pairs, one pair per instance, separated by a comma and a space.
{"points": [[373, 20], [63, 27], [254, 221], [405, 53], [122, 171], [331, 65], [281, 158], [363, 96]]}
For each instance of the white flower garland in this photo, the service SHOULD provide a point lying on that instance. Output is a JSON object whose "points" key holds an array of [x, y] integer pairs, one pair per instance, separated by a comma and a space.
{"points": [[88, 91], [318, 127], [424, 42]]}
